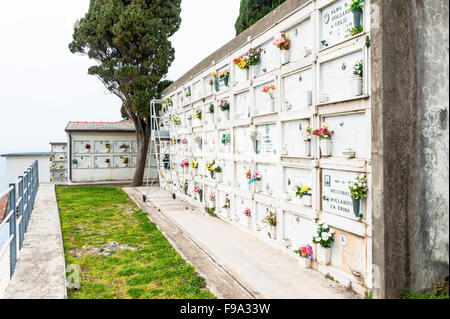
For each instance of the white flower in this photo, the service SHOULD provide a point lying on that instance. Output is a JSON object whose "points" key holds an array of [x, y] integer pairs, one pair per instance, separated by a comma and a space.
{"points": [[320, 223], [316, 234], [317, 238], [362, 176], [331, 231], [325, 226]]}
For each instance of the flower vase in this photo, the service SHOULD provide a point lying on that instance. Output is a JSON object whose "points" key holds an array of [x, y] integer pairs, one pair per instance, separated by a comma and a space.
{"points": [[357, 207], [258, 186], [357, 85], [304, 262], [307, 148], [211, 174], [249, 186], [272, 105], [249, 221], [254, 70], [185, 170], [326, 146], [307, 98], [226, 81], [227, 115], [357, 17], [75, 166], [323, 255], [285, 56], [216, 84], [307, 200], [272, 232], [219, 177]]}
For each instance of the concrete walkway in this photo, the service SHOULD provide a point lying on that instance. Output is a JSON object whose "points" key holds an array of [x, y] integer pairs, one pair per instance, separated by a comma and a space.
{"points": [[40, 269], [255, 268]]}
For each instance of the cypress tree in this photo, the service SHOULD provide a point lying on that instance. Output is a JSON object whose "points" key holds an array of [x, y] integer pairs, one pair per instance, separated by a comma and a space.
{"points": [[253, 10]]}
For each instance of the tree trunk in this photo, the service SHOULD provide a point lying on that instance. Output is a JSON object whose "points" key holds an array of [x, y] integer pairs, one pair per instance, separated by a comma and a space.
{"points": [[143, 139]]}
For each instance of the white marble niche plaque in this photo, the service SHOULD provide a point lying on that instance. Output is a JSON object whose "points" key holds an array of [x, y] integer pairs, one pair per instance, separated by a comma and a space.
{"points": [[294, 144], [297, 90]]}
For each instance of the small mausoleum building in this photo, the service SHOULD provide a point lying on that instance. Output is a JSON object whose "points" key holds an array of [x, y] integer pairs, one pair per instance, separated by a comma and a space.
{"points": [[103, 152]]}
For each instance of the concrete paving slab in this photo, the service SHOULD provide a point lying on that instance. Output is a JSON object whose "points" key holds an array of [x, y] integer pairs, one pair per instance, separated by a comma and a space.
{"points": [[258, 267], [40, 269]]}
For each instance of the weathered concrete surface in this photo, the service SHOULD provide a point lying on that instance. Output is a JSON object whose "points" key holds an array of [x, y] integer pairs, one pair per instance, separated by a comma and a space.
{"points": [[409, 62], [261, 270], [40, 270]]}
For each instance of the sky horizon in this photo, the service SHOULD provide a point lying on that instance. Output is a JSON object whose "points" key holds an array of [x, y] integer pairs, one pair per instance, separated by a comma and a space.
{"points": [[44, 86]]}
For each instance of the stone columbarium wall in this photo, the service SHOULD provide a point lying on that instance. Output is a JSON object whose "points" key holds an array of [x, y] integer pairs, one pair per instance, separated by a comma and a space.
{"points": [[264, 135]]}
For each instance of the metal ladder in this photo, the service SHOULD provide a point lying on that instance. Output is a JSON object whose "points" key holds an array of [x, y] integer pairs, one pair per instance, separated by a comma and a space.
{"points": [[155, 149]]}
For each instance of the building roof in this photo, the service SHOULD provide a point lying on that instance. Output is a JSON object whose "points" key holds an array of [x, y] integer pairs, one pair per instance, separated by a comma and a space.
{"points": [[271, 19], [27, 154], [122, 126]]}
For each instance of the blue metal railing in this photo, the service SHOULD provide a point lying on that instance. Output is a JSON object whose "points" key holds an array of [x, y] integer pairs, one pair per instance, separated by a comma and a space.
{"points": [[21, 196]]}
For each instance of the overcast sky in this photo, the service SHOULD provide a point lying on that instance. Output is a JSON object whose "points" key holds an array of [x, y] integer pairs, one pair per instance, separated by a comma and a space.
{"points": [[43, 85]]}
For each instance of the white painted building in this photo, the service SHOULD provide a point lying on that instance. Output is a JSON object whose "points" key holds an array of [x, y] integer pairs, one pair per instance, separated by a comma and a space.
{"points": [[16, 163], [103, 152], [264, 134]]}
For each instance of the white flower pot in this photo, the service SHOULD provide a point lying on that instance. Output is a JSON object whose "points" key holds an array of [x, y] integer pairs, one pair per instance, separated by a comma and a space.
{"points": [[357, 85], [306, 52], [248, 221], [287, 197], [287, 106], [307, 98], [249, 186], [323, 97], [210, 118], [273, 232], [185, 170], [284, 150], [75, 166], [323, 255], [285, 56], [227, 114], [272, 105], [307, 148], [258, 186], [253, 70], [219, 177], [307, 200], [326, 147], [304, 262]]}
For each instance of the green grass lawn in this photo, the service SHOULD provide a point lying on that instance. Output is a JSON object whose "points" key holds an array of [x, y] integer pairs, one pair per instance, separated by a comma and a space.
{"points": [[92, 216]]}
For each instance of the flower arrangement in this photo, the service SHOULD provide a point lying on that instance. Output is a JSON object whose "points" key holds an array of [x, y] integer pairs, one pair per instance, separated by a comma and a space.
{"points": [[323, 235], [226, 139], [324, 132], [283, 42], [176, 120], [184, 163], [303, 190], [107, 145], [212, 197], [184, 141], [251, 57], [271, 219], [247, 212], [107, 161], [227, 204], [358, 68], [88, 146], [213, 167], [306, 133], [124, 146], [356, 4], [358, 187], [306, 252], [198, 114], [75, 161], [169, 101], [211, 108], [193, 164], [125, 160], [224, 105], [224, 75], [188, 92], [255, 177], [269, 89]]}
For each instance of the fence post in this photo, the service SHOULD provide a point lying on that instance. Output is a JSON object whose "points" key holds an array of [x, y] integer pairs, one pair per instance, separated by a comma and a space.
{"points": [[21, 215], [12, 229], [25, 197]]}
